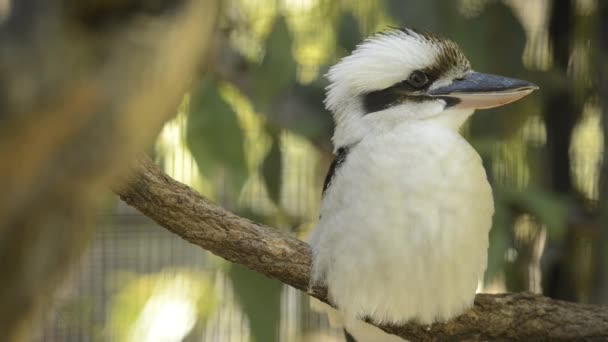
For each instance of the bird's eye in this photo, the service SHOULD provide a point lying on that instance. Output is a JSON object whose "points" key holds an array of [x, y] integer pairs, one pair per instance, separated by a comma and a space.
{"points": [[418, 79]]}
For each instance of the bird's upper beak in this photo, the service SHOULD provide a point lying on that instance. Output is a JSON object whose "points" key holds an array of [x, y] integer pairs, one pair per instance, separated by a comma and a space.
{"points": [[478, 91]]}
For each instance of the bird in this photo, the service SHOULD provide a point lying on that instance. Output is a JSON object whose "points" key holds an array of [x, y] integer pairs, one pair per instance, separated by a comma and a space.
{"points": [[406, 207]]}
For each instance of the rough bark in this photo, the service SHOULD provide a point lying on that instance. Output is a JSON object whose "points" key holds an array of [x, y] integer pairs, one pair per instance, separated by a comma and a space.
{"points": [[503, 317]]}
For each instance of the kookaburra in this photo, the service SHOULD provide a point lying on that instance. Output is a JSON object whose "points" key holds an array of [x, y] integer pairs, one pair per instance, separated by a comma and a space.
{"points": [[406, 208]]}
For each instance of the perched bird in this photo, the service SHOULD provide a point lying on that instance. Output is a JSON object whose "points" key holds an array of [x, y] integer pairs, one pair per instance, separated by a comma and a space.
{"points": [[406, 208]]}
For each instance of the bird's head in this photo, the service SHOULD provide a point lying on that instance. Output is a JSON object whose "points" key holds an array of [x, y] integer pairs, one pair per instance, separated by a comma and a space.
{"points": [[405, 75]]}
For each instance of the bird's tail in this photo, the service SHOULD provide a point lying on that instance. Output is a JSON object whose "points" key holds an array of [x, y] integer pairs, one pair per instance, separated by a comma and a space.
{"points": [[355, 330]]}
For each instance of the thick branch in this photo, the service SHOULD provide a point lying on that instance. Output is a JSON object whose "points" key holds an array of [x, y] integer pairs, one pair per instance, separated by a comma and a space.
{"points": [[512, 317]]}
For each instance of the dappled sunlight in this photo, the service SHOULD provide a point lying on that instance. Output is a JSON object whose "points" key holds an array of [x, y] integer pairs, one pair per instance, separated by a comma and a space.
{"points": [[313, 44], [177, 158], [257, 145], [301, 191], [255, 18], [164, 306], [509, 165], [528, 231], [580, 67], [587, 150], [533, 131], [169, 315], [510, 156], [257, 141], [534, 17]]}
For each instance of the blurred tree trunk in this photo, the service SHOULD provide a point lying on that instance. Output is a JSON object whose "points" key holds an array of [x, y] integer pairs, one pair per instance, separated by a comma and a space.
{"points": [[85, 86], [561, 113], [601, 60]]}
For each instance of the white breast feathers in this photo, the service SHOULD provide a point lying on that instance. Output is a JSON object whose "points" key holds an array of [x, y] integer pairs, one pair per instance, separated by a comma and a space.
{"points": [[403, 233]]}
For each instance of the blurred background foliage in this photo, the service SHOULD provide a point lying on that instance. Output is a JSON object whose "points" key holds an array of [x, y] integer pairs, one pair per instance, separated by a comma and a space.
{"points": [[252, 135]]}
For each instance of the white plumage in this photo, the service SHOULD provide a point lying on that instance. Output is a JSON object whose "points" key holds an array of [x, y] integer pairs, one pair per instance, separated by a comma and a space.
{"points": [[404, 222], [404, 226]]}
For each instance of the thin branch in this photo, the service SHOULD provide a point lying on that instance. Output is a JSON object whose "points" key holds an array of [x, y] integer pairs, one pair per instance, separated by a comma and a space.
{"points": [[512, 317]]}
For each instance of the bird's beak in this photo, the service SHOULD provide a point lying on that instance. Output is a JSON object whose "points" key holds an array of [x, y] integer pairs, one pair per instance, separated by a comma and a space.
{"points": [[478, 91]]}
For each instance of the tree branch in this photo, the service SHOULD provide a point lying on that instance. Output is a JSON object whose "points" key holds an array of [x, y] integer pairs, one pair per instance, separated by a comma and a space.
{"points": [[512, 317]]}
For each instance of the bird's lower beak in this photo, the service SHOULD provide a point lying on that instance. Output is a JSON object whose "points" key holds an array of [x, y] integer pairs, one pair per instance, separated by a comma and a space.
{"points": [[478, 91]]}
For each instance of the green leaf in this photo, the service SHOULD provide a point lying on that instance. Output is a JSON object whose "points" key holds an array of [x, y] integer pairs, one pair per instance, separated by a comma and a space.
{"points": [[550, 209], [278, 68], [260, 299], [215, 137], [272, 169]]}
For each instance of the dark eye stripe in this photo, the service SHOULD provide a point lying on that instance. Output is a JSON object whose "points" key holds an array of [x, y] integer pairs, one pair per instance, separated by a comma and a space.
{"points": [[381, 99]]}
